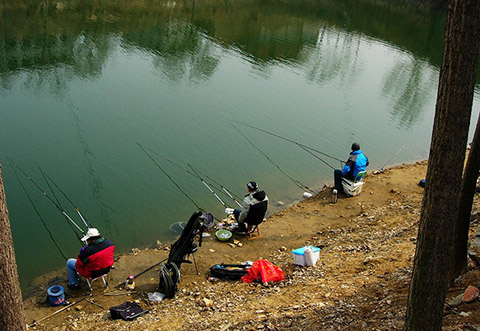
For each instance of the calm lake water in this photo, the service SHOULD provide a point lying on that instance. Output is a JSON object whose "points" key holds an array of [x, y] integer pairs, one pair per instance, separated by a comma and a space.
{"points": [[83, 82]]}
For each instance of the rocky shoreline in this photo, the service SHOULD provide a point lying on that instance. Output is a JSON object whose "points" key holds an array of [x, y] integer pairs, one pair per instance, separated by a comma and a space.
{"points": [[360, 282]]}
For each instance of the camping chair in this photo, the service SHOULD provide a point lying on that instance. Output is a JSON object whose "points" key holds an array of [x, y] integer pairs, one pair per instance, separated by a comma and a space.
{"points": [[98, 274], [353, 188], [185, 246], [255, 216]]}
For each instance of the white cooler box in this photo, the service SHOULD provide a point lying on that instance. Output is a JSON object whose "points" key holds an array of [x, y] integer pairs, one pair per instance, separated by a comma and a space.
{"points": [[299, 255]]}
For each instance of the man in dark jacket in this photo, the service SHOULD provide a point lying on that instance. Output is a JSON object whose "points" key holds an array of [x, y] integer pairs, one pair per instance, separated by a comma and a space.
{"points": [[356, 163], [94, 260], [254, 207]]}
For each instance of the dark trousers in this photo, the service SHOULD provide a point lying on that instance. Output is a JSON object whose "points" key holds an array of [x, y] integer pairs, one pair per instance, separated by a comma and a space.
{"points": [[236, 214], [337, 176], [241, 226]]}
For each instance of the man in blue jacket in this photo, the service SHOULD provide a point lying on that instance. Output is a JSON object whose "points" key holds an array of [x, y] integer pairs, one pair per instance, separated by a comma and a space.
{"points": [[356, 162]]}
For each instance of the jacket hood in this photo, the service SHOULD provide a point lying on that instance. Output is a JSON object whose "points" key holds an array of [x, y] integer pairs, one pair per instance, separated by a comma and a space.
{"points": [[356, 152], [259, 195]]}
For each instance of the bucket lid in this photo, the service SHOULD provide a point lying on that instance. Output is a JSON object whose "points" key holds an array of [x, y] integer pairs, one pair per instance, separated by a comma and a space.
{"points": [[55, 290], [301, 250]]}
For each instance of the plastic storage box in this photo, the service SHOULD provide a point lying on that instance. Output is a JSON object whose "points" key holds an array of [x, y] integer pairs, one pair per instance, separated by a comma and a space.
{"points": [[299, 255]]}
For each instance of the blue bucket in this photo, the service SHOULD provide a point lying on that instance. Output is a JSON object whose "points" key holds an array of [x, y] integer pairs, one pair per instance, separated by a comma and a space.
{"points": [[56, 295]]}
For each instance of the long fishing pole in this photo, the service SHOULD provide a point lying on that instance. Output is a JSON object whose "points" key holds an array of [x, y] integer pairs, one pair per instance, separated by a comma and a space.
{"points": [[225, 191], [89, 225], [38, 213], [208, 187], [292, 141], [316, 156], [401, 149], [170, 178], [68, 218], [142, 272], [300, 185]]}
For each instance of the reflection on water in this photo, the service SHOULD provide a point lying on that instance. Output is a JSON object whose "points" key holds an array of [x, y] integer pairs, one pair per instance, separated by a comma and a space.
{"points": [[334, 55], [181, 51], [408, 84], [82, 82]]}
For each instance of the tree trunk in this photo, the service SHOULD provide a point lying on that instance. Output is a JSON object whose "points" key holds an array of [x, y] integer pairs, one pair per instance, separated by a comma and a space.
{"points": [[440, 204], [11, 304], [470, 175]]}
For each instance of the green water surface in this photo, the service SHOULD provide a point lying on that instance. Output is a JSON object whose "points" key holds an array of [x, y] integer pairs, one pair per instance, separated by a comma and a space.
{"points": [[82, 82]]}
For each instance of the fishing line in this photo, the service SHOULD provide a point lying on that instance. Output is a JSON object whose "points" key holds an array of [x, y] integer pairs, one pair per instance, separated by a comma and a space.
{"points": [[292, 141], [38, 213], [50, 187], [300, 185], [225, 191], [68, 218], [89, 225], [316, 156], [171, 179], [208, 187], [401, 149]]}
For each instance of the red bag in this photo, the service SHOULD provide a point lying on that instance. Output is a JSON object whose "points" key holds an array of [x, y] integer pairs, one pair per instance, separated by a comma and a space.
{"points": [[264, 271]]}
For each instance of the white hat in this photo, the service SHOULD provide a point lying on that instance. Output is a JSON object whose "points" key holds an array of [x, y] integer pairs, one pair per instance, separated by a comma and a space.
{"points": [[92, 232]]}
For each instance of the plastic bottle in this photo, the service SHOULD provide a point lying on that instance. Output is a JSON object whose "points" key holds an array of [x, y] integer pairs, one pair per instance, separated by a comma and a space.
{"points": [[220, 226], [334, 196], [307, 195], [130, 283]]}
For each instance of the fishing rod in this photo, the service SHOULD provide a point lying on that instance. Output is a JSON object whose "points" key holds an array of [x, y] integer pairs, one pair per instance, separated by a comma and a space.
{"points": [[39, 215], [225, 191], [56, 312], [208, 187], [300, 185], [401, 149], [316, 156], [292, 141], [170, 178], [68, 218], [141, 273], [45, 175]]}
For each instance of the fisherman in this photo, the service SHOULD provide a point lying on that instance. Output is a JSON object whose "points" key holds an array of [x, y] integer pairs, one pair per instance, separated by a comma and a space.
{"points": [[94, 260], [254, 207], [356, 163]]}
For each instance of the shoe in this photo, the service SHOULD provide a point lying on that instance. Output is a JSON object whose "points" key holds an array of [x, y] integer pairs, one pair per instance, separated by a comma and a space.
{"points": [[74, 286], [241, 230]]}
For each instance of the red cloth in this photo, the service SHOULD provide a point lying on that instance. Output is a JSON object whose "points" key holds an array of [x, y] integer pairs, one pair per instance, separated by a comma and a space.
{"points": [[264, 271], [96, 256]]}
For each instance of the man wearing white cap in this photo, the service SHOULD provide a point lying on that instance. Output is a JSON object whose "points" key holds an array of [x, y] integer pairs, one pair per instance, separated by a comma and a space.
{"points": [[94, 260]]}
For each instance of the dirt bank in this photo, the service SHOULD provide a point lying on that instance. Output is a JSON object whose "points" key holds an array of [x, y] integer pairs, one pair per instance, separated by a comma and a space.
{"points": [[360, 282]]}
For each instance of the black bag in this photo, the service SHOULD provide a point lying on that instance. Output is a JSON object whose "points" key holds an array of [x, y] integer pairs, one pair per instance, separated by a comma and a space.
{"points": [[127, 311], [229, 271]]}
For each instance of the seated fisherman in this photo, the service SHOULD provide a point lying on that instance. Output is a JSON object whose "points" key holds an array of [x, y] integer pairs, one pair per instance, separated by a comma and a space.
{"points": [[94, 260], [356, 163], [254, 207]]}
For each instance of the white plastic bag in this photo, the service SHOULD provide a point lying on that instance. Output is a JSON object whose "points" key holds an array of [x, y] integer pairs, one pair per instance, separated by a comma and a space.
{"points": [[155, 297], [309, 258]]}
